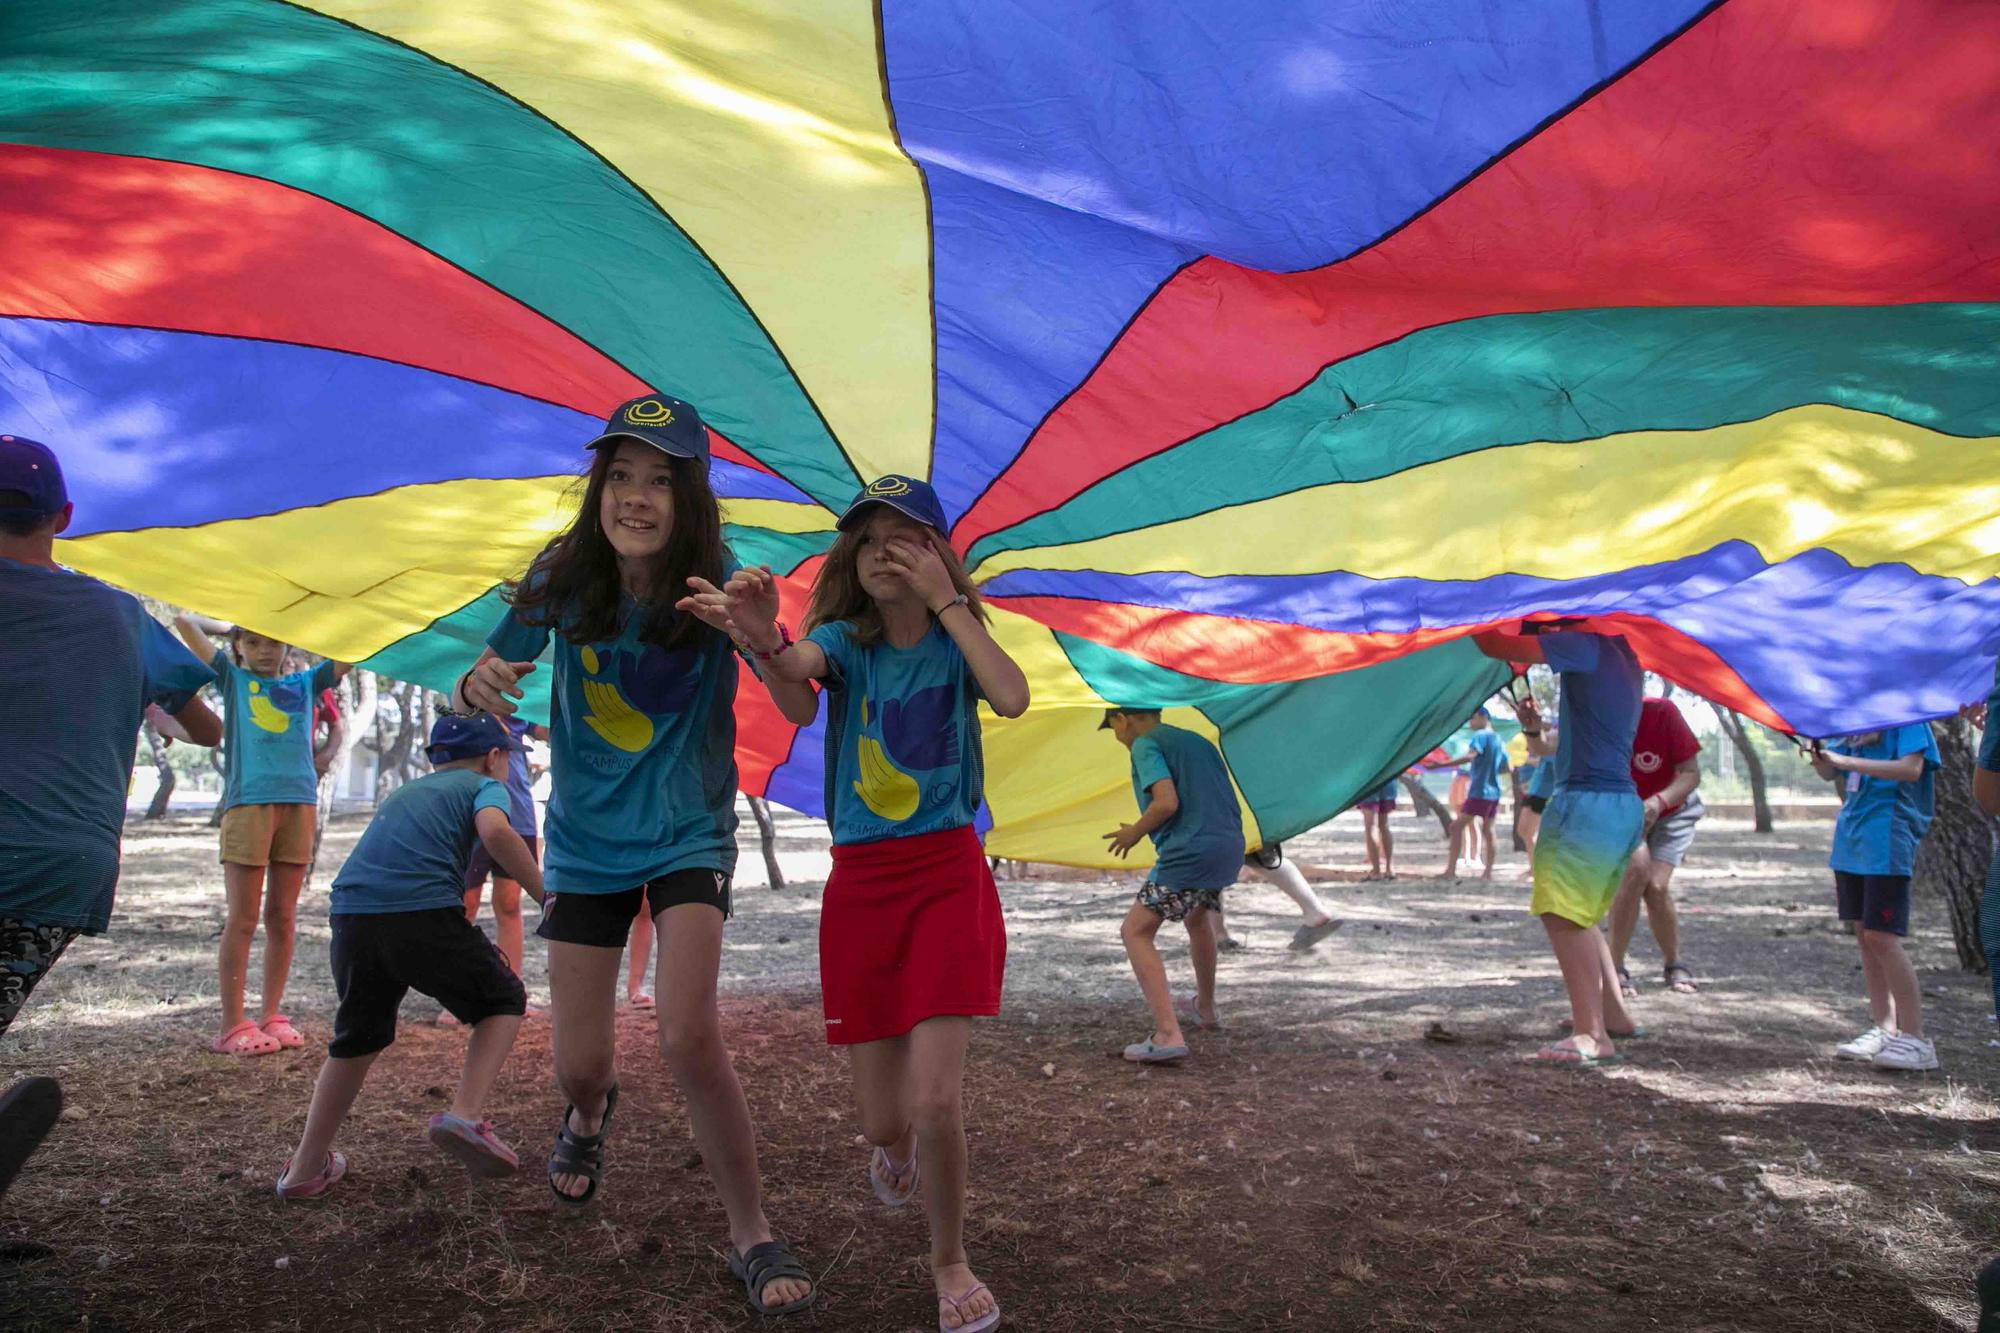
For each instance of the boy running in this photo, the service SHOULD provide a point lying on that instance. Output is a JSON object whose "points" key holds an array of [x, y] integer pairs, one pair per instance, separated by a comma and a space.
{"points": [[1485, 756], [1187, 806]]}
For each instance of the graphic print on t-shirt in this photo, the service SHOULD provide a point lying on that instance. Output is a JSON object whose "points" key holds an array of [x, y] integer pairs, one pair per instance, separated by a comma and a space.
{"points": [[272, 708], [621, 688], [882, 787]]}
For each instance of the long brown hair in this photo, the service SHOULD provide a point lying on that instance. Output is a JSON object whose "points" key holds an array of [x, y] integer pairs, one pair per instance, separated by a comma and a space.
{"points": [[838, 595], [573, 586]]}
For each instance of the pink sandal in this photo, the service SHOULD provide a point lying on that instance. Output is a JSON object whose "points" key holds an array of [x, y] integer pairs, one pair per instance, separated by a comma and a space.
{"points": [[475, 1145], [279, 1029], [329, 1176], [245, 1039], [882, 1173], [988, 1320]]}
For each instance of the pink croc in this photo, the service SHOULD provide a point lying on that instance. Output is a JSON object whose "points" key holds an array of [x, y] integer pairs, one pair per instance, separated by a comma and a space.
{"points": [[279, 1029], [329, 1176], [245, 1039]]}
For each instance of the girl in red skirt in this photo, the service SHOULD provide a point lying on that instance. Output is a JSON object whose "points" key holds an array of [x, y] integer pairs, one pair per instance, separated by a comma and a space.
{"points": [[911, 945]]}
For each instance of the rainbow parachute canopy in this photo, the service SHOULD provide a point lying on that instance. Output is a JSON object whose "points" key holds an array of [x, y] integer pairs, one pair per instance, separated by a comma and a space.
{"points": [[1257, 358]]}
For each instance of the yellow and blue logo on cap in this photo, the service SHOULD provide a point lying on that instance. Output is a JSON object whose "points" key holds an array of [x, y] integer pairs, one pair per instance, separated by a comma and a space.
{"points": [[666, 423], [905, 495], [648, 412], [883, 487]]}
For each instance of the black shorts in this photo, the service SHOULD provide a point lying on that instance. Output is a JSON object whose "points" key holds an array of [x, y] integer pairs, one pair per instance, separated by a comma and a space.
{"points": [[1536, 803], [379, 957], [604, 920], [1874, 902], [481, 866]]}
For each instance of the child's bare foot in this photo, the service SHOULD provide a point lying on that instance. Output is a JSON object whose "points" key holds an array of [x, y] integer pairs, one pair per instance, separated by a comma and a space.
{"points": [[963, 1300]]}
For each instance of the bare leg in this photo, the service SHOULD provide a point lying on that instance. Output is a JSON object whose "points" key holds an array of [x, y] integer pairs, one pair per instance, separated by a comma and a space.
{"points": [[1456, 838], [1201, 951], [1142, 923], [1881, 1007], [1388, 845], [1580, 951], [638, 956], [244, 887], [1488, 849], [281, 924], [1660, 914], [1624, 917], [507, 921], [937, 1061], [333, 1097], [1531, 829], [885, 1099], [1371, 832], [690, 952], [581, 978], [492, 1038], [1899, 978]]}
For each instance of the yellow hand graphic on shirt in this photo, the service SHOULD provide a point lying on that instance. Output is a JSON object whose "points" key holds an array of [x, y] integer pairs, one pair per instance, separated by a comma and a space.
{"points": [[883, 788], [265, 714], [615, 720]]}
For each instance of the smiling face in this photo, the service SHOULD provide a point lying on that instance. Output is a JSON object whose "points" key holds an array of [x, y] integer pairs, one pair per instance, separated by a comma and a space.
{"points": [[264, 656], [871, 563], [636, 509]]}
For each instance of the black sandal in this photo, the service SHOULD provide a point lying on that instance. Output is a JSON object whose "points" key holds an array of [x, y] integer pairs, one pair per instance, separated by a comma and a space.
{"points": [[1693, 987], [763, 1264], [581, 1154]]}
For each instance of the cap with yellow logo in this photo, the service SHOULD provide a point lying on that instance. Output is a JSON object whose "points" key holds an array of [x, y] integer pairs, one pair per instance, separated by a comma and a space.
{"points": [[668, 424], [906, 495]]}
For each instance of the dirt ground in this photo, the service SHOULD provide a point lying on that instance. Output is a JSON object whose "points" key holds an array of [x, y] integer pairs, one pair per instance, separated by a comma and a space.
{"points": [[1319, 1164]]}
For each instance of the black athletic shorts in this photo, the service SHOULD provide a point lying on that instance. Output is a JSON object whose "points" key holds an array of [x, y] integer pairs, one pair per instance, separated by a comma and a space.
{"points": [[1875, 902], [379, 957], [604, 920], [1536, 803]]}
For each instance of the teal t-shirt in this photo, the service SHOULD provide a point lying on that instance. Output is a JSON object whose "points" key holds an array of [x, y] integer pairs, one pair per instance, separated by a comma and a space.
{"points": [[1882, 820], [79, 662], [1488, 757], [267, 739], [902, 736], [1382, 795], [1542, 778], [1989, 744], [413, 854], [1201, 847], [642, 753]]}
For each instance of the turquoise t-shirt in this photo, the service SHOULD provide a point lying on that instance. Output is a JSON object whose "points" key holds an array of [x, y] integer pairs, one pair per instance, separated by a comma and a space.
{"points": [[79, 662], [1384, 794], [1542, 778], [902, 736], [1882, 820], [413, 854], [267, 739], [1989, 744], [1201, 847], [1602, 688], [642, 752], [1488, 757]]}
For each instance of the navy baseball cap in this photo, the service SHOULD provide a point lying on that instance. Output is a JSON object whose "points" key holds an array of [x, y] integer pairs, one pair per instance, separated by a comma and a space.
{"points": [[469, 738], [906, 495], [668, 424], [30, 467]]}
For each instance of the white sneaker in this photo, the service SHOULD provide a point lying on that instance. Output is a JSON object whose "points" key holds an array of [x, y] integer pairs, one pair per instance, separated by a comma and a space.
{"points": [[1906, 1052], [1864, 1047]]}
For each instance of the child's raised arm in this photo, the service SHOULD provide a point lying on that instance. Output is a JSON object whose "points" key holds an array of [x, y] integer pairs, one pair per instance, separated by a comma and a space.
{"points": [[508, 851], [193, 636], [492, 685], [1001, 680], [747, 610]]}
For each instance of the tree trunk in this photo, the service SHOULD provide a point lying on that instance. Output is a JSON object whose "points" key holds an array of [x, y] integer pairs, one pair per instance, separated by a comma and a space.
{"points": [[767, 833], [1738, 732], [1954, 855], [1425, 801], [165, 791], [357, 695], [396, 754]]}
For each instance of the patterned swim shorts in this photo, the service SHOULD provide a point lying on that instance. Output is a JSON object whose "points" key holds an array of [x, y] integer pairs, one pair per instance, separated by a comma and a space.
{"points": [[27, 952], [1175, 904]]}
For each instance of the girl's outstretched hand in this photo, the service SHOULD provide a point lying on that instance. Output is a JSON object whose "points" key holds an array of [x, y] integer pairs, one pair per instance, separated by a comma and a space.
{"points": [[709, 604], [923, 569], [753, 605], [492, 685]]}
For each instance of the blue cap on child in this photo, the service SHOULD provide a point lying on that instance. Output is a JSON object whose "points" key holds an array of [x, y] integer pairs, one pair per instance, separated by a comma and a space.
{"points": [[31, 468], [908, 496], [668, 424], [469, 738]]}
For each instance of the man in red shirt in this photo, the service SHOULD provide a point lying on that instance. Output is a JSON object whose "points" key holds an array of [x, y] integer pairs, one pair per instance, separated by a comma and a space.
{"points": [[1666, 768]]}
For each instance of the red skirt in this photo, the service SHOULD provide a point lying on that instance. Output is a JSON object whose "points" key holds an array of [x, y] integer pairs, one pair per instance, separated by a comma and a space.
{"points": [[909, 929]]}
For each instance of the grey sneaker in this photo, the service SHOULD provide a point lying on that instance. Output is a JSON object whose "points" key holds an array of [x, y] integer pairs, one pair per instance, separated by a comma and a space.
{"points": [[1905, 1052], [1864, 1047]]}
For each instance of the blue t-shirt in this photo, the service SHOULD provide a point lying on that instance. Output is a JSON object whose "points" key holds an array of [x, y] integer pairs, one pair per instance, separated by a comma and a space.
{"points": [[267, 739], [1989, 744], [1602, 686], [413, 854], [1386, 792], [79, 662], [642, 748], [520, 794], [1882, 820], [1542, 778], [1488, 757], [1201, 847], [902, 736]]}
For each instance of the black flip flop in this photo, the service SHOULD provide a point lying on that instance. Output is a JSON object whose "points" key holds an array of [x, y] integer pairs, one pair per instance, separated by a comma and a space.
{"points": [[28, 1111], [581, 1154], [761, 1265]]}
